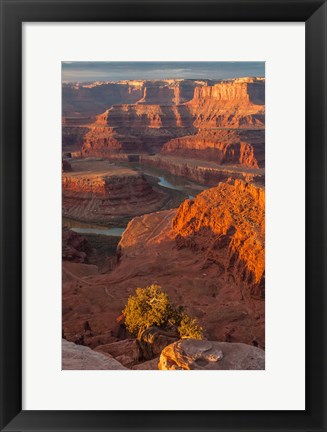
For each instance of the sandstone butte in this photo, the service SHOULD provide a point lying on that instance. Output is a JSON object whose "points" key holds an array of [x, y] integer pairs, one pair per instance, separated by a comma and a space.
{"points": [[208, 255], [221, 121]]}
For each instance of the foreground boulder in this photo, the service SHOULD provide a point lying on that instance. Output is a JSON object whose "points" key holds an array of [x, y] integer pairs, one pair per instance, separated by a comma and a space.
{"points": [[192, 354], [153, 340], [79, 357], [127, 351]]}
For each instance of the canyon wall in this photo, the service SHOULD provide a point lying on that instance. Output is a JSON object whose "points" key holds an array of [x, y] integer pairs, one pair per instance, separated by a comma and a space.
{"points": [[205, 173], [225, 147], [144, 116], [82, 100], [87, 100], [135, 128]]}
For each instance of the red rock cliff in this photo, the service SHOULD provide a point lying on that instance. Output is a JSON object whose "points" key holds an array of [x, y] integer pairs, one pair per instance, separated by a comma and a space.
{"points": [[238, 103], [225, 147], [228, 218]]}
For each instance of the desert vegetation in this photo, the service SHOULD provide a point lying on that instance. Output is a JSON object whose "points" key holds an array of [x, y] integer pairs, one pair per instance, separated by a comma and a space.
{"points": [[150, 306]]}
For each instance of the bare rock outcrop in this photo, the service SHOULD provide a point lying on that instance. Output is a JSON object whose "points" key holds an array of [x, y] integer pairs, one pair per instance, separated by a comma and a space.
{"points": [[127, 351], [208, 255], [224, 146], [98, 192], [191, 354], [78, 357], [170, 109], [75, 247], [153, 340], [147, 365], [204, 171], [229, 216], [82, 100], [238, 103]]}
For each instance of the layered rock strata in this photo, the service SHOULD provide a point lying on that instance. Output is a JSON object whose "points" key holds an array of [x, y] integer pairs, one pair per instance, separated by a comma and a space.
{"points": [[171, 109], [96, 191], [203, 171], [224, 147], [238, 103]]}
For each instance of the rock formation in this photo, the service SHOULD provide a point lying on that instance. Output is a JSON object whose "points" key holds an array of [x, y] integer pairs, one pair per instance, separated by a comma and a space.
{"points": [[82, 100], [208, 255], [191, 354], [98, 192], [78, 357], [143, 116], [153, 340], [66, 166], [127, 351], [75, 247], [224, 146], [238, 103], [202, 171], [232, 216]]}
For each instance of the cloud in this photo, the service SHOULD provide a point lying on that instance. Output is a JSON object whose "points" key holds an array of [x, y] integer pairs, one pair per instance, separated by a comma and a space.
{"points": [[115, 71]]}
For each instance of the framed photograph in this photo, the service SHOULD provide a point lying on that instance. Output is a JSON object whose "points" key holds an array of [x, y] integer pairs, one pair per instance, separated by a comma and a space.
{"points": [[163, 215]]}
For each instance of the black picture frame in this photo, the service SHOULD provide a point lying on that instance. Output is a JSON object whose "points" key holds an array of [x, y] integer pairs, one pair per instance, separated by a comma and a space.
{"points": [[13, 14]]}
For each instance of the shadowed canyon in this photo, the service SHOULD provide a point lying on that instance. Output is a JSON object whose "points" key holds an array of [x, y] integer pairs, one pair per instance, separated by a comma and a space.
{"points": [[163, 185]]}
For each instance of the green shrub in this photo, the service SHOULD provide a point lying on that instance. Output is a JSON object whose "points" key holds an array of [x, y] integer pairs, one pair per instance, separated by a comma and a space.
{"points": [[150, 306]]}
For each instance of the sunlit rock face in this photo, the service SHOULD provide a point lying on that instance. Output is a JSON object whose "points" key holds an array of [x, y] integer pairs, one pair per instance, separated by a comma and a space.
{"points": [[191, 354], [208, 255], [229, 216]]}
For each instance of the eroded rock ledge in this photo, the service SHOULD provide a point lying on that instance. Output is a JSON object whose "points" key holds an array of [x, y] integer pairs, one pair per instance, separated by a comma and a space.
{"points": [[191, 354]]}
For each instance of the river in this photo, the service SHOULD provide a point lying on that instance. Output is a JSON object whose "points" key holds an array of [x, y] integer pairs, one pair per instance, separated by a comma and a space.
{"points": [[169, 181], [89, 228]]}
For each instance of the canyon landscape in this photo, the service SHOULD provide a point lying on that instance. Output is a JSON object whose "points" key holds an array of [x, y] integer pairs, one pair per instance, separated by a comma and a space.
{"points": [[163, 215]]}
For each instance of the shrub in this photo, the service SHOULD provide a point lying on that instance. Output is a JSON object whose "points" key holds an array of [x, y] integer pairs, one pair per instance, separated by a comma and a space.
{"points": [[150, 306], [190, 328]]}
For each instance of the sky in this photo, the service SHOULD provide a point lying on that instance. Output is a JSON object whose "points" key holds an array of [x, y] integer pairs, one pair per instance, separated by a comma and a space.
{"points": [[116, 71]]}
